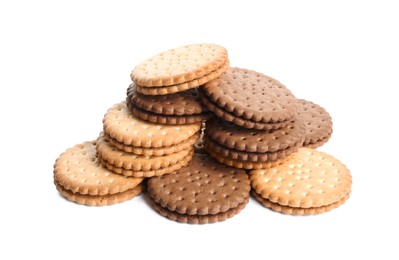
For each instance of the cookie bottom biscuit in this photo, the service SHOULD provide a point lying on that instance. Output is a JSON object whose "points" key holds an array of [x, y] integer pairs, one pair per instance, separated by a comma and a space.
{"points": [[298, 211], [100, 200], [198, 219]]}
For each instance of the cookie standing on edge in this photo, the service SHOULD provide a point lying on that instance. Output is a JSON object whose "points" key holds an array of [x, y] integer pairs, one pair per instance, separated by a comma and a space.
{"points": [[311, 182], [180, 69], [319, 126], [249, 99], [79, 177], [203, 192]]}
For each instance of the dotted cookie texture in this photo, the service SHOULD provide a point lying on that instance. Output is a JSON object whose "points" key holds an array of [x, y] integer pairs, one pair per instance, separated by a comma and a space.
{"points": [[78, 172], [252, 96], [121, 125], [309, 180], [204, 190], [319, 126], [179, 65]]}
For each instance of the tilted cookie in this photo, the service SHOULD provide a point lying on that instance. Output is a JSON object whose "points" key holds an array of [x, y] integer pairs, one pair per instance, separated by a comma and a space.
{"points": [[311, 182], [79, 176], [203, 192], [318, 123], [179, 65], [252, 96], [120, 124]]}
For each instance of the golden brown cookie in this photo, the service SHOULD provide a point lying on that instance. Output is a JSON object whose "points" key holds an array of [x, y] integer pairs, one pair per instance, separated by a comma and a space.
{"points": [[310, 180], [252, 96], [131, 173], [134, 162], [120, 124], [203, 192], [79, 177], [318, 123], [154, 151], [179, 65]]}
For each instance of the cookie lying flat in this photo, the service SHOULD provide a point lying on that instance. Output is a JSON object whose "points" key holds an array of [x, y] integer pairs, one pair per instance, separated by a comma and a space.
{"points": [[203, 192], [120, 124], [79, 177], [318, 123], [311, 182], [251, 96], [180, 69], [178, 108], [138, 165]]}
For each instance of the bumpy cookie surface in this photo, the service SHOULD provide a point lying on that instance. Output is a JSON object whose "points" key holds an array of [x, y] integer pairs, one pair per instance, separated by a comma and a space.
{"points": [[179, 65], [251, 95]]}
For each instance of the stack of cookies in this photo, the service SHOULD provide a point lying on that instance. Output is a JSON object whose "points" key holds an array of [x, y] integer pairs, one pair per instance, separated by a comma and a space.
{"points": [[190, 126]]}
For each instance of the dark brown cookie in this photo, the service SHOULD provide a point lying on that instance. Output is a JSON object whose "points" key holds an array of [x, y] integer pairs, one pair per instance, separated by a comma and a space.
{"points": [[251, 95], [249, 156], [203, 188], [167, 119], [177, 104], [230, 117], [251, 140], [318, 123]]}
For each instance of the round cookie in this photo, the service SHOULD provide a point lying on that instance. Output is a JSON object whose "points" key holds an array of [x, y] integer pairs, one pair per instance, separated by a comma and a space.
{"points": [[310, 180], [251, 140], [249, 156], [154, 151], [134, 162], [177, 104], [79, 177], [150, 173], [120, 124], [319, 126], [203, 192], [179, 65], [230, 117], [167, 119], [251, 95]]}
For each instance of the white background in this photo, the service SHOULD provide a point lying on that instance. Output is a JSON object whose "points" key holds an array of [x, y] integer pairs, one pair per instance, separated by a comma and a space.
{"points": [[64, 63]]}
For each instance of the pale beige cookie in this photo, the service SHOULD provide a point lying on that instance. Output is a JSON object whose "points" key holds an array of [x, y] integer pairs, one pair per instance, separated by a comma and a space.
{"points": [[129, 161], [244, 164], [120, 124], [155, 151], [151, 173], [79, 171], [183, 86], [100, 200], [298, 211], [310, 179], [179, 65]]}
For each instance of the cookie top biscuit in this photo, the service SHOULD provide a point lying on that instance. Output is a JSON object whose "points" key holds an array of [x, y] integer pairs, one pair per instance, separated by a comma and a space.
{"points": [[203, 187], [251, 95], [79, 170], [179, 65], [120, 124], [309, 179]]}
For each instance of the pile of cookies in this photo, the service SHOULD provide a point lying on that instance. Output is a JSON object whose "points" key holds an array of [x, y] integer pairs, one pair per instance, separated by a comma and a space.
{"points": [[199, 137]]}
